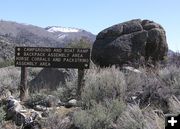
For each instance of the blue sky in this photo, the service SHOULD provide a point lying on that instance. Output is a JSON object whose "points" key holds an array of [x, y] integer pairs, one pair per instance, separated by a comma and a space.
{"points": [[95, 15]]}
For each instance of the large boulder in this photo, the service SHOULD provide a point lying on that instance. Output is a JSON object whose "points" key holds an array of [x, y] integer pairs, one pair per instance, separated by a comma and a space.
{"points": [[129, 43], [51, 78]]}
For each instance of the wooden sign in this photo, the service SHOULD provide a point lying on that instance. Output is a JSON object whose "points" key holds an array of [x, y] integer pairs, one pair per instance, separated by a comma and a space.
{"points": [[52, 57]]}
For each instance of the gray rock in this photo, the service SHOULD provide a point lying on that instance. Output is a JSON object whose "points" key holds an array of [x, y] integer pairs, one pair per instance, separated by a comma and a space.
{"points": [[40, 108], [73, 102], [131, 69], [26, 118], [70, 103], [19, 118], [20, 115], [126, 43], [33, 125], [51, 79], [13, 106], [45, 114]]}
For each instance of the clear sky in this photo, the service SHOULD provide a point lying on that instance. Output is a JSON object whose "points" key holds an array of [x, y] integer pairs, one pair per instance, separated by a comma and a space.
{"points": [[95, 15]]}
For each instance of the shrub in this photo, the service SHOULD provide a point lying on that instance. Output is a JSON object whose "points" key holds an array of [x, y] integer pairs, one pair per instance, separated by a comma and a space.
{"points": [[102, 97], [67, 91], [100, 116], [10, 78], [56, 121], [2, 114], [171, 77], [154, 88], [36, 99], [83, 120], [135, 118], [132, 118], [81, 43], [174, 59], [103, 84], [135, 83], [6, 63], [148, 89]]}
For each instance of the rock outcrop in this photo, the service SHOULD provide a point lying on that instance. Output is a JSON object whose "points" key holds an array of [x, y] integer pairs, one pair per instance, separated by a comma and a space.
{"points": [[13, 106], [51, 78], [28, 118], [129, 43], [19, 114]]}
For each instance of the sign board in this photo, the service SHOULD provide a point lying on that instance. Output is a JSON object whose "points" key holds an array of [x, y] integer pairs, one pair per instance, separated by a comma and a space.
{"points": [[52, 57]]}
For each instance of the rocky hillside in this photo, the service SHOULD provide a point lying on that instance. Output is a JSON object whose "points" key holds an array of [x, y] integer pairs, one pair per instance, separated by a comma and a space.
{"points": [[15, 34]]}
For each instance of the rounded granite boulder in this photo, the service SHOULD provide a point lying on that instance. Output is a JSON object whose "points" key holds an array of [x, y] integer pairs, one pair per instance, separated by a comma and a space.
{"points": [[129, 42]]}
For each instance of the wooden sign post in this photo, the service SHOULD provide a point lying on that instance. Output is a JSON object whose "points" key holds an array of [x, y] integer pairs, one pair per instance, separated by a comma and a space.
{"points": [[23, 85], [77, 58], [80, 83]]}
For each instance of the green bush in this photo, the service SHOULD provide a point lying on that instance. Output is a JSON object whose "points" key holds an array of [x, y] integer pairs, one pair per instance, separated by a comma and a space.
{"points": [[83, 120], [2, 114], [82, 43], [6, 63], [67, 91], [102, 98], [56, 121], [100, 116], [103, 84], [35, 99]]}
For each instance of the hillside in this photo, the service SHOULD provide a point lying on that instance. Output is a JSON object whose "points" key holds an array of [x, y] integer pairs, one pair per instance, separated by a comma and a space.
{"points": [[16, 34]]}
